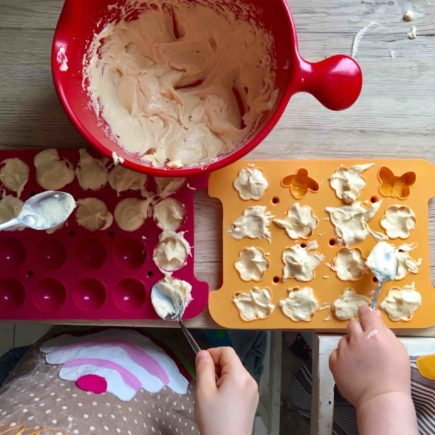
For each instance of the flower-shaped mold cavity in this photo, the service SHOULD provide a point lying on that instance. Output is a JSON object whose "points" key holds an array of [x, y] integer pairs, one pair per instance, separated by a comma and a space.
{"points": [[129, 295], [12, 254], [300, 183], [91, 253], [394, 186], [89, 295], [130, 254], [49, 295], [12, 294], [50, 254]]}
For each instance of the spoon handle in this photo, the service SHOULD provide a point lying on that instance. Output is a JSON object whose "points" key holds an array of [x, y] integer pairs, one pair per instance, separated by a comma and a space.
{"points": [[193, 344], [376, 295], [9, 224]]}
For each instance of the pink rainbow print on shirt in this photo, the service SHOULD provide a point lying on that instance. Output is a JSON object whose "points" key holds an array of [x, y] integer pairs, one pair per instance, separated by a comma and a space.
{"points": [[119, 361]]}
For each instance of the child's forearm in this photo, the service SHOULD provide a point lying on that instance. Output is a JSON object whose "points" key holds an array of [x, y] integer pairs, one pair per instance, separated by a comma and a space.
{"points": [[387, 414]]}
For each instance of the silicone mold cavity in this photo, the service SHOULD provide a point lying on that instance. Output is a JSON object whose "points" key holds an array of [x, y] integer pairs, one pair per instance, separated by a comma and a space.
{"points": [[12, 294], [51, 254], [89, 295], [300, 183], [91, 253], [129, 295], [394, 186], [130, 254], [12, 254], [49, 295]]}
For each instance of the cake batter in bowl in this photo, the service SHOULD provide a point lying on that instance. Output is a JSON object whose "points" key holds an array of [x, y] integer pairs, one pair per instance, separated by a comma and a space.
{"points": [[176, 88]]}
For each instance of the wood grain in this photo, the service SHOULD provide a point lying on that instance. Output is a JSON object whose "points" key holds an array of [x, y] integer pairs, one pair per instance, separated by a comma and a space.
{"points": [[394, 117]]}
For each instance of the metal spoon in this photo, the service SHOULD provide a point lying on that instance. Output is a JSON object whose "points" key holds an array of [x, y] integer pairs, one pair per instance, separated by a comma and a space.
{"points": [[172, 309], [382, 261], [43, 211]]}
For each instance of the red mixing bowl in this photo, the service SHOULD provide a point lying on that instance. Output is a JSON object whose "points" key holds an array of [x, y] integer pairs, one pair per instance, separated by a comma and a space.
{"points": [[336, 81]]}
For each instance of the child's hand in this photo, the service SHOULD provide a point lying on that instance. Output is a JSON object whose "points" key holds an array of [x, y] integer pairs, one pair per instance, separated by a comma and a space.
{"points": [[370, 361], [226, 406]]}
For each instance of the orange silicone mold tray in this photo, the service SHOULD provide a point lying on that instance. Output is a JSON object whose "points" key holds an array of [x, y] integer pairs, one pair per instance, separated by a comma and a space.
{"points": [[406, 182]]}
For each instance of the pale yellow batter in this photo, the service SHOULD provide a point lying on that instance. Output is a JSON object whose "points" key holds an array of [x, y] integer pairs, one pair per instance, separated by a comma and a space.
{"points": [[10, 207], [168, 186], [254, 224], [299, 223], [301, 262], [91, 172], [130, 213], [300, 304], [14, 174], [402, 303], [122, 179], [405, 263], [171, 252], [349, 182], [347, 305], [92, 214], [255, 304], [251, 184], [349, 264], [52, 173], [251, 264], [398, 221], [169, 214], [171, 93]]}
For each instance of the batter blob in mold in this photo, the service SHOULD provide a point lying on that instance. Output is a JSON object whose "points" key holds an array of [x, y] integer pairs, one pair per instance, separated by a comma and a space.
{"points": [[130, 213], [169, 214], [402, 303], [172, 251], [299, 223], [251, 184], [351, 222], [300, 304], [14, 174], [255, 304], [52, 173], [254, 224], [91, 172], [301, 262], [349, 264], [92, 214], [349, 182], [398, 222], [251, 264], [347, 305]]}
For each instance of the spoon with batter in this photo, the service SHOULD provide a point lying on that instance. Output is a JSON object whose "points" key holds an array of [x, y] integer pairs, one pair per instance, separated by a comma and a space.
{"points": [[43, 211], [170, 305], [382, 261]]}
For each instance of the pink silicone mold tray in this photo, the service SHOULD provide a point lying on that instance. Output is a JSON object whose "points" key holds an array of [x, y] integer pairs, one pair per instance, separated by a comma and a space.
{"points": [[76, 274]]}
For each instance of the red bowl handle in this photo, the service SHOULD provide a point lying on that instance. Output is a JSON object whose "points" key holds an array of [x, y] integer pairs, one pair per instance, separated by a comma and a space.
{"points": [[336, 81]]}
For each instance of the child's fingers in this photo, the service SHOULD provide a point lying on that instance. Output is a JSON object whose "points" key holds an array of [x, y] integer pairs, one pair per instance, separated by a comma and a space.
{"points": [[354, 328], [205, 374], [369, 319]]}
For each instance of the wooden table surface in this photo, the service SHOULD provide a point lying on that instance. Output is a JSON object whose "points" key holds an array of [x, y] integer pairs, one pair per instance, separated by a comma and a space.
{"points": [[394, 117]]}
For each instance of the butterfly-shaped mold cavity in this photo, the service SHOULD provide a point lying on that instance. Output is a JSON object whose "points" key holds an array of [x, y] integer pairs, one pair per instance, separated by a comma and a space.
{"points": [[300, 183], [395, 186]]}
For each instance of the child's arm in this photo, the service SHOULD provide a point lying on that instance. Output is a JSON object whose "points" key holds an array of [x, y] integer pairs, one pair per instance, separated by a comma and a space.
{"points": [[371, 369], [225, 406]]}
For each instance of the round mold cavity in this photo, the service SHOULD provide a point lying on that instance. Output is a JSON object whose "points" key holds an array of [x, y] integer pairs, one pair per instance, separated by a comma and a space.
{"points": [[12, 254], [51, 254], [129, 295], [130, 254], [49, 295], [89, 295], [12, 294], [275, 200], [91, 253]]}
